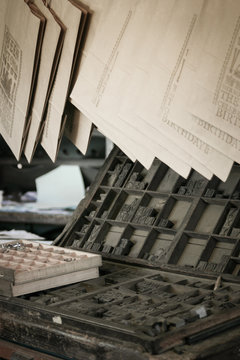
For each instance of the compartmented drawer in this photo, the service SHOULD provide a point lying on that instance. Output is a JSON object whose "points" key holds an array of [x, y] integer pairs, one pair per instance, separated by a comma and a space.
{"points": [[155, 217]]}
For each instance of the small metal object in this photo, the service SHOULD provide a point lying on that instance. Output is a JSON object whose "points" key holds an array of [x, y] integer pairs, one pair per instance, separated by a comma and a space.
{"points": [[217, 283], [210, 193]]}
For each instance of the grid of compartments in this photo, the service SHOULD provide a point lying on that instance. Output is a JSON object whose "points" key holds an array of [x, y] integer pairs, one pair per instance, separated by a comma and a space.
{"points": [[158, 217], [148, 302], [27, 266], [29, 256], [30, 259]]}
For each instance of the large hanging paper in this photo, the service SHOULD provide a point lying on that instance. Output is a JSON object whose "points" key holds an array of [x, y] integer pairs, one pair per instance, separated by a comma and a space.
{"points": [[78, 128], [209, 80], [104, 72], [163, 72], [70, 15], [50, 54], [18, 66]]}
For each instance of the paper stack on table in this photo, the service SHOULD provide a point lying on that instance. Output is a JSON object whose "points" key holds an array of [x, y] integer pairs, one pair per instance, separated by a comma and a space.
{"points": [[160, 78]]}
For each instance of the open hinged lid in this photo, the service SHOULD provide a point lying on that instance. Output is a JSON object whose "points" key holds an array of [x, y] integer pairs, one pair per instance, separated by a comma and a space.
{"points": [[157, 218]]}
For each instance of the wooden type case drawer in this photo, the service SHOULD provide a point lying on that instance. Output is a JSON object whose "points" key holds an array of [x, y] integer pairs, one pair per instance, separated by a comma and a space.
{"points": [[170, 281]]}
